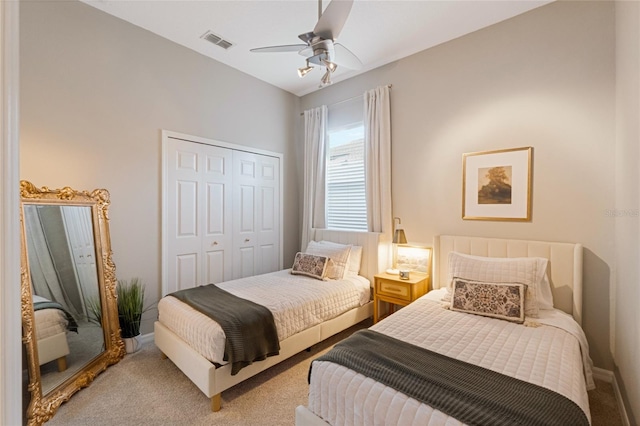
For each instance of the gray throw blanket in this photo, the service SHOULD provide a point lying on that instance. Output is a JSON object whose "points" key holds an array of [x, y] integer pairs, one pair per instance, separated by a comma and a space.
{"points": [[250, 330], [467, 392], [72, 324]]}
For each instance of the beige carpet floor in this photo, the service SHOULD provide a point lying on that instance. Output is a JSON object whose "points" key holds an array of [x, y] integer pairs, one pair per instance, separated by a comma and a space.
{"points": [[144, 389]]}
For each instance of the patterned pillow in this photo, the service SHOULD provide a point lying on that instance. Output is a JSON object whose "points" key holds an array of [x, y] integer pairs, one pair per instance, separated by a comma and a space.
{"points": [[310, 265], [496, 300]]}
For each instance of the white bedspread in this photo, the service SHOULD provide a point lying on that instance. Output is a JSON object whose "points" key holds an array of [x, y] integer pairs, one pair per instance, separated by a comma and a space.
{"points": [[544, 355], [297, 303], [49, 322]]}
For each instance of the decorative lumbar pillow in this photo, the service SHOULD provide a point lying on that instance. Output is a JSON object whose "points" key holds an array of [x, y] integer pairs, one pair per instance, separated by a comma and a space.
{"points": [[338, 258], [530, 271], [496, 300], [310, 265]]}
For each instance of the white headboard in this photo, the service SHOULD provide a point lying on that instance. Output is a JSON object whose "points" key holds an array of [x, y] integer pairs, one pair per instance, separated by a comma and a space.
{"points": [[565, 263], [368, 240]]}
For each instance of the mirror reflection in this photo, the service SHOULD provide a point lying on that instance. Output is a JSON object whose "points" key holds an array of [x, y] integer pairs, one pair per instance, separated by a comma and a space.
{"points": [[65, 292], [70, 326]]}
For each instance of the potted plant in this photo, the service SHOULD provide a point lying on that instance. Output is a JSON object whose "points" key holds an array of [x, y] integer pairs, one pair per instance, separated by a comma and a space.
{"points": [[130, 310]]}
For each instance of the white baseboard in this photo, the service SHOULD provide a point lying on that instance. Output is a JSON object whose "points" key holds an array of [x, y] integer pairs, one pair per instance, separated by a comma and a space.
{"points": [[146, 338], [604, 375], [609, 377]]}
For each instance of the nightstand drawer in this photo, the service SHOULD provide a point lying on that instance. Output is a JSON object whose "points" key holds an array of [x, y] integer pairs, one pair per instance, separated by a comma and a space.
{"points": [[394, 289]]}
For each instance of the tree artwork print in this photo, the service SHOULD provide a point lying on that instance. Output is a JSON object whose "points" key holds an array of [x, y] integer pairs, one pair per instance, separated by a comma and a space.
{"points": [[494, 185]]}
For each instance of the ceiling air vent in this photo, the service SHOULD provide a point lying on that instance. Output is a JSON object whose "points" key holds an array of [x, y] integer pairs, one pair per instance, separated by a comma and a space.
{"points": [[217, 40]]}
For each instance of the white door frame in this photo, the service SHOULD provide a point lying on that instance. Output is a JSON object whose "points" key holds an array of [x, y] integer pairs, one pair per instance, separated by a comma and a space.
{"points": [[166, 134], [10, 319]]}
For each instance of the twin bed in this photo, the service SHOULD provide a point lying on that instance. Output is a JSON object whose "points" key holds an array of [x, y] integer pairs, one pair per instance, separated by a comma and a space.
{"points": [[53, 323], [193, 343], [548, 350]]}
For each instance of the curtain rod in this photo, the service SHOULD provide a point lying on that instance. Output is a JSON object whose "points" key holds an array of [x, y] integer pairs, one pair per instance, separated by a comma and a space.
{"points": [[347, 100]]}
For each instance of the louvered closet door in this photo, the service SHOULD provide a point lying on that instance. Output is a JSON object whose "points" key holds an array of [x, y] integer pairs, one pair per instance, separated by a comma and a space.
{"points": [[199, 214], [256, 206]]}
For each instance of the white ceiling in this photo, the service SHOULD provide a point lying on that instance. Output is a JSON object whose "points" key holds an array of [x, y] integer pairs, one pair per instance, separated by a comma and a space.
{"points": [[377, 31]]}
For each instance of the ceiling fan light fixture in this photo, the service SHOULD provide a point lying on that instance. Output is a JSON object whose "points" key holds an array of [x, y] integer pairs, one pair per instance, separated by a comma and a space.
{"points": [[304, 70], [331, 66], [326, 78], [319, 46]]}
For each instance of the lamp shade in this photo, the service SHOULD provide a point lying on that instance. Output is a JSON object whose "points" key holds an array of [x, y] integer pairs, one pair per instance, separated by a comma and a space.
{"points": [[399, 237]]}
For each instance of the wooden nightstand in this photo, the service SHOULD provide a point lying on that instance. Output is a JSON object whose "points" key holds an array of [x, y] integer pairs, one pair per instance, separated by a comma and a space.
{"points": [[391, 289]]}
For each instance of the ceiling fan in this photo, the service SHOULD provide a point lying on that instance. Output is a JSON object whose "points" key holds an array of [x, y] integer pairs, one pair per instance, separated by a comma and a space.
{"points": [[320, 47]]}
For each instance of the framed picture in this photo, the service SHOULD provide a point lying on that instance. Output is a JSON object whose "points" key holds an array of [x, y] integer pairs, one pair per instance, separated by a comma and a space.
{"points": [[496, 185]]}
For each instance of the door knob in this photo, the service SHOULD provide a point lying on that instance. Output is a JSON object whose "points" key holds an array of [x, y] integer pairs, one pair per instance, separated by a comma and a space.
{"points": [[246, 240]]}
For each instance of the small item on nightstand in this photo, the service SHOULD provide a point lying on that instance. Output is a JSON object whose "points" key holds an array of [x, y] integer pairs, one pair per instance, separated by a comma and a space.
{"points": [[392, 271], [404, 274]]}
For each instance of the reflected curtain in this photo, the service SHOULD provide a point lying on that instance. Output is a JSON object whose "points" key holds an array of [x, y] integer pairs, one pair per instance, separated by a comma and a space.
{"points": [[44, 276], [315, 138], [377, 134]]}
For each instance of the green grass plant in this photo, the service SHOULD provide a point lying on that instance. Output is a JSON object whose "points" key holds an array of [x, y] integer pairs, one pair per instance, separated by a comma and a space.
{"points": [[130, 306]]}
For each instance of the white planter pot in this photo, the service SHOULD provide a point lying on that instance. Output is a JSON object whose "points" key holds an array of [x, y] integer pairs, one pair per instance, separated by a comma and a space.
{"points": [[131, 344]]}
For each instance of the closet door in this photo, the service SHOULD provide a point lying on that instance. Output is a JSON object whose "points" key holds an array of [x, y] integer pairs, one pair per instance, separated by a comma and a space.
{"points": [[199, 214], [79, 232], [268, 214], [256, 206], [216, 228], [221, 216]]}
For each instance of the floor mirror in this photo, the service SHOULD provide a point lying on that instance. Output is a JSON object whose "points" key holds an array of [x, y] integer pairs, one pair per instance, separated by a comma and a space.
{"points": [[68, 294]]}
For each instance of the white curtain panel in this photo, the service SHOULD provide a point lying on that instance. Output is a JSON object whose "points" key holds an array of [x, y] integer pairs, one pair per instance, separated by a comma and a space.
{"points": [[315, 138], [377, 134], [44, 277]]}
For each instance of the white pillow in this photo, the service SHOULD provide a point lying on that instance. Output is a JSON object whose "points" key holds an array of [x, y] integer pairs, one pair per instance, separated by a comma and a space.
{"points": [[531, 271], [355, 260], [338, 256], [355, 256], [545, 296]]}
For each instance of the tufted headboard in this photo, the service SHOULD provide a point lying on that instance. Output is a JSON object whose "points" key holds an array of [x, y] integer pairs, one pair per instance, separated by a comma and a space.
{"points": [[565, 263]]}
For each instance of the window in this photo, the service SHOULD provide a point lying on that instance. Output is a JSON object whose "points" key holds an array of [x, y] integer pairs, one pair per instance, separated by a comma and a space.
{"points": [[345, 197]]}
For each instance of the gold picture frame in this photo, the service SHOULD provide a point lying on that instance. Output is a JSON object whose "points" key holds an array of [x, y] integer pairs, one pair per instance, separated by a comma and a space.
{"points": [[496, 185]]}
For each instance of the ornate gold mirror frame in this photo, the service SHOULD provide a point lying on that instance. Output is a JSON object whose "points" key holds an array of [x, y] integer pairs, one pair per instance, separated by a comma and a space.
{"points": [[43, 406]]}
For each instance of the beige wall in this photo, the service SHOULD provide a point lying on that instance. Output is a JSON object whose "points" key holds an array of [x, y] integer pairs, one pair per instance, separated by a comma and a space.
{"points": [[95, 94], [626, 291], [544, 79]]}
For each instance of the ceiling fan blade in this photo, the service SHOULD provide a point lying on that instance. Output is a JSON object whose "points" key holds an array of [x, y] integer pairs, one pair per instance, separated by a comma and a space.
{"points": [[283, 48], [346, 58], [307, 51], [333, 19]]}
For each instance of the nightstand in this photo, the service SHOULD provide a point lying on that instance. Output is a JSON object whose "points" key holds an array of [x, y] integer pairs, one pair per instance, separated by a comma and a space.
{"points": [[391, 289]]}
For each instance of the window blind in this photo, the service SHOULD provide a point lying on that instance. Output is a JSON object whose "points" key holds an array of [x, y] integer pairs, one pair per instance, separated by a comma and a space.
{"points": [[346, 200]]}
